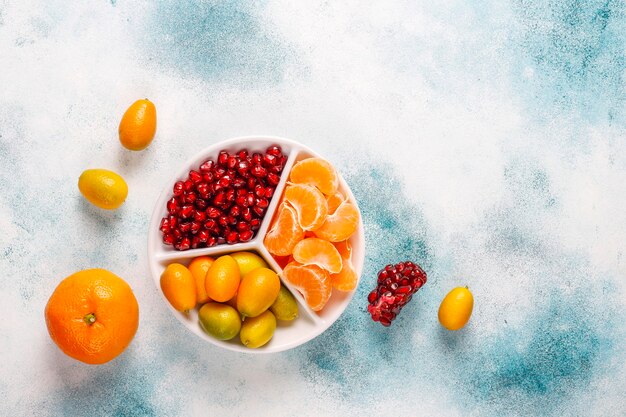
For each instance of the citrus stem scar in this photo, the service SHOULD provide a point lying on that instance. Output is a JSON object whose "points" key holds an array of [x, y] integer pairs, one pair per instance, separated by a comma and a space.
{"points": [[90, 318]]}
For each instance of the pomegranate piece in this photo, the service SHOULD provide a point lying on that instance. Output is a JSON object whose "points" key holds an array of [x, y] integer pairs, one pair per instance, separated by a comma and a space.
{"points": [[395, 288], [222, 201]]}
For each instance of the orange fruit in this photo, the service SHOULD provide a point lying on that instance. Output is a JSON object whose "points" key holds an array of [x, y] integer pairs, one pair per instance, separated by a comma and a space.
{"points": [[314, 251], [341, 224], [310, 204], [312, 281], [179, 287], [222, 279], [346, 279], [92, 316], [284, 233], [257, 292], [198, 268], [334, 201], [316, 172], [138, 125]]}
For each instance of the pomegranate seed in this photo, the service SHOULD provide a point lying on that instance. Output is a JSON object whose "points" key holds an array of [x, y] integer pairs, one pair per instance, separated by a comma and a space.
{"points": [[222, 158], [252, 182], [255, 224], [186, 211], [223, 220], [220, 198], [258, 171], [243, 226], [195, 242], [273, 178], [250, 199], [241, 201], [173, 222], [219, 172], [188, 185], [165, 225], [242, 193], [232, 220], [396, 286], [270, 159], [207, 165], [212, 241], [203, 235], [262, 202], [239, 182], [269, 192], [246, 214], [242, 154], [276, 169], [230, 195], [231, 162], [274, 150], [246, 235], [232, 237], [172, 205], [201, 204], [177, 234], [225, 181], [184, 244], [168, 239], [179, 187], [208, 177], [195, 227], [203, 189], [235, 211], [259, 190], [185, 227], [210, 224], [213, 212], [258, 210], [195, 176], [257, 158], [190, 197]]}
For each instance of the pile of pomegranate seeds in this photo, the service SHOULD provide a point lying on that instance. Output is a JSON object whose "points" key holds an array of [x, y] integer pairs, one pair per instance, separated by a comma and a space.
{"points": [[396, 285], [222, 201]]}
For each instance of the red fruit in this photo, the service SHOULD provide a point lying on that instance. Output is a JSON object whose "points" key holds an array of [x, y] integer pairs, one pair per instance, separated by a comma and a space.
{"points": [[222, 158], [396, 286], [168, 239], [274, 150], [258, 171], [246, 235], [207, 165], [179, 187], [195, 176]]}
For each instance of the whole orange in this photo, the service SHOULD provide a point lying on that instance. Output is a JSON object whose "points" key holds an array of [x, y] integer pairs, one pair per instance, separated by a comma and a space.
{"points": [[92, 316], [138, 125]]}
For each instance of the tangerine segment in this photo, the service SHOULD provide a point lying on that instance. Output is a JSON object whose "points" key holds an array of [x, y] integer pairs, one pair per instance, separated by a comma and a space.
{"points": [[284, 233], [316, 172], [310, 204], [334, 201], [312, 281], [341, 224], [314, 251], [346, 279]]}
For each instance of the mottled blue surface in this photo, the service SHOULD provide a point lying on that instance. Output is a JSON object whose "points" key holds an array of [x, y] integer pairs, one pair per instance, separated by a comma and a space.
{"points": [[485, 140]]}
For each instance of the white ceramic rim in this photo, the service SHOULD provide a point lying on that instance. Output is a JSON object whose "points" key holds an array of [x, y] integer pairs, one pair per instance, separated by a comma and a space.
{"points": [[159, 255]]}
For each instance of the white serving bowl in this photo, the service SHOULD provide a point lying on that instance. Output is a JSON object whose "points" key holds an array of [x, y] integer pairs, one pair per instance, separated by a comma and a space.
{"points": [[288, 335]]}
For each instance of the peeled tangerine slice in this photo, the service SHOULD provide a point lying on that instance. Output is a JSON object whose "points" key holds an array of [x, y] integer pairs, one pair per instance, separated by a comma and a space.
{"points": [[334, 201], [310, 204], [346, 279], [285, 233], [312, 281], [318, 252], [317, 172], [341, 224]]}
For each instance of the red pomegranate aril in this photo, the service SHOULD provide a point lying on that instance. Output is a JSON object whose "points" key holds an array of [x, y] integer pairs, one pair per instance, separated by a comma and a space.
{"points": [[243, 226], [396, 286], [195, 227], [184, 243], [203, 189], [195, 242], [250, 199], [232, 237], [213, 212], [203, 235], [186, 212], [274, 150], [225, 181], [255, 224], [219, 173], [201, 204], [257, 158], [219, 199], [231, 161], [190, 197], [179, 188], [235, 211], [273, 179], [242, 192], [177, 234], [230, 195], [258, 171], [173, 222], [195, 176], [275, 170], [252, 182], [222, 158], [241, 201], [239, 182], [172, 205], [185, 227], [211, 241], [168, 239], [188, 185], [269, 192], [210, 224], [207, 165], [208, 177], [258, 210], [246, 235], [223, 220], [259, 190], [246, 214], [270, 159], [242, 154], [262, 202], [165, 225]]}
